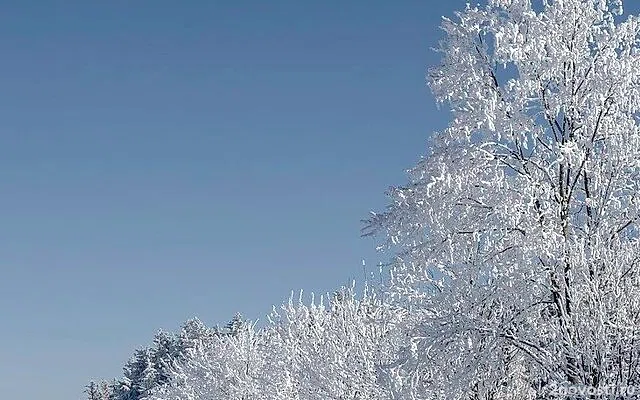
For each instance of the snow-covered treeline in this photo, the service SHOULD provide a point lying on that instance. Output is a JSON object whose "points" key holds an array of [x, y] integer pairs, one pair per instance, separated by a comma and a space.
{"points": [[334, 348], [516, 239]]}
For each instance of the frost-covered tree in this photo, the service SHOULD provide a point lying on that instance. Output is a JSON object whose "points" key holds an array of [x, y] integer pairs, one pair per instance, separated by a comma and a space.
{"points": [[518, 232], [150, 367], [92, 390], [318, 351], [228, 367], [140, 376], [338, 350], [236, 325], [106, 390], [193, 332]]}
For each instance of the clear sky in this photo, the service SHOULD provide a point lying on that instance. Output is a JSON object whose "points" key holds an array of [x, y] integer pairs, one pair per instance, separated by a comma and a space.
{"points": [[161, 160]]}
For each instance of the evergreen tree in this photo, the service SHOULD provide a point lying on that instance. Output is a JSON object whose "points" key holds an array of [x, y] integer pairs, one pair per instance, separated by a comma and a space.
{"points": [[236, 325], [106, 391], [164, 351], [191, 334], [92, 390]]}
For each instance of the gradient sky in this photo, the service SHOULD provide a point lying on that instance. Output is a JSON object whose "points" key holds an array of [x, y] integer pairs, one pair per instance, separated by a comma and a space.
{"points": [[166, 160]]}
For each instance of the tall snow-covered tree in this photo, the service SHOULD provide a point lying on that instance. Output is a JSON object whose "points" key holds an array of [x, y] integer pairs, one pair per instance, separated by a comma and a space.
{"points": [[106, 390], [92, 390], [517, 235], [150, 366], [236, 325], [192, 333]]}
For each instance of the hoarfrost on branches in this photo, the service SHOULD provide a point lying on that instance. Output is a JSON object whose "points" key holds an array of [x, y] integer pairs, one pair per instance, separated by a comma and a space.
{"points": [[318, 351], [518, 234]]}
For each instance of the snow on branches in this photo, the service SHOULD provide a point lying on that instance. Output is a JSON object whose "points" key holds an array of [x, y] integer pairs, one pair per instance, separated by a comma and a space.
{"points": [[518, 234]]}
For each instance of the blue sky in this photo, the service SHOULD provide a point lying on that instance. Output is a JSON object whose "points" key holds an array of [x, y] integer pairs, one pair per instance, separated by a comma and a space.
{"points": [[166, 160]]}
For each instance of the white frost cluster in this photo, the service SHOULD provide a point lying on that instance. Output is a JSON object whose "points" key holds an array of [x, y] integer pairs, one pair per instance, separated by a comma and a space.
{"points": [[314, 352], [518, 234]]}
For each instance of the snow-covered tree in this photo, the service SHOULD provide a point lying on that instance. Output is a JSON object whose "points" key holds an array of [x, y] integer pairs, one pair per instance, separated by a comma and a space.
{"points": [[193, 332], [92, 390], [106, 390], [150, 367], [338, 350], [517, 235], [153, 367], [236, 325], [140, 376], [227, 367]]}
